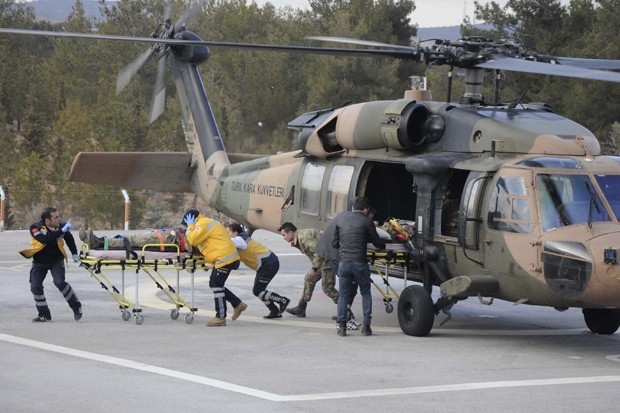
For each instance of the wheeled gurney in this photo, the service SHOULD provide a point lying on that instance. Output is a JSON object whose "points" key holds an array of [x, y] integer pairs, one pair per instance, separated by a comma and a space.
{"points": [[380, 262], [146, 261]]}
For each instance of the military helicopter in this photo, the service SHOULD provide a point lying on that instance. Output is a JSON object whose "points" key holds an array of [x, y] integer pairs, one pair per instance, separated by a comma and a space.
{"points": [[513, 202]]}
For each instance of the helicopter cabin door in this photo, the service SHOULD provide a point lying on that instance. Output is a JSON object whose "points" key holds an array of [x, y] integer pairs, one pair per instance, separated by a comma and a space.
{"points": [[461, 216], [510, 234]]}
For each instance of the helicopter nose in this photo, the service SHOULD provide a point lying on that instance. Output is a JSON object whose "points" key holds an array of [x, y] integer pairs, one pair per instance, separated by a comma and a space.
{"points": [[604, 286], [605, 251], [568, 268]]}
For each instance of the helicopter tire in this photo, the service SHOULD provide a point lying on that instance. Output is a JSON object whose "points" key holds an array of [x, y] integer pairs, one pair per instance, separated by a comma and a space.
{"points": [[416, 313], [602, 320]]}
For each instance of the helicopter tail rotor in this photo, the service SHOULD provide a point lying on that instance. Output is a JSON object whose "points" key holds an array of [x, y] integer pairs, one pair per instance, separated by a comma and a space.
{"points": [[160, 51], [158, 102], [128, 72]]}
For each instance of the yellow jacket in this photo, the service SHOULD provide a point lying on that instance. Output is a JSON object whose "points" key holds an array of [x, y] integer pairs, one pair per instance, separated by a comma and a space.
{"points": [[213, 241], [38, 246], [253, 254]]}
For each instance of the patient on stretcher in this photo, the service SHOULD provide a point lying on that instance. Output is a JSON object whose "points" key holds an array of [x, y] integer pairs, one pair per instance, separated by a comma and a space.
{"points": [[164, 240]]}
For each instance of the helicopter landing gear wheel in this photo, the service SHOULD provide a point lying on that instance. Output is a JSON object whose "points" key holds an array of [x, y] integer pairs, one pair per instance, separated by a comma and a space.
{"points": [[126, 315], [415, 311], [189, 318], [174, 314], [602, 320]]}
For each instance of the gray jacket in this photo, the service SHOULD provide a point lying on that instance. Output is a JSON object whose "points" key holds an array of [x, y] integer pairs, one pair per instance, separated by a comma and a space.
{"points": [[324, 247], [352, 234]]}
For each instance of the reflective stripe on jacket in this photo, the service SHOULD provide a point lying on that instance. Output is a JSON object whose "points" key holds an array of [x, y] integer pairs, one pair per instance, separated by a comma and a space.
{"points": [[213, 241], [252, 256]]}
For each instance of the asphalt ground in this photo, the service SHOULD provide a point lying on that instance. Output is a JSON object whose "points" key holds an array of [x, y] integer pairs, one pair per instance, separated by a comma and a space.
{"points": [[486, 358]]}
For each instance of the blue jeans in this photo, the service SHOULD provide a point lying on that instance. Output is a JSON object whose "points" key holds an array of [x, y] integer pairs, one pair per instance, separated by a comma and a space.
{"points": [[348, 273]]}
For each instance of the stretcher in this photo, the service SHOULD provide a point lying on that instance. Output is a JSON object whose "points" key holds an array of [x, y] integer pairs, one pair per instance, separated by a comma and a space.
{"points": [[380, 262], [150, 261]]}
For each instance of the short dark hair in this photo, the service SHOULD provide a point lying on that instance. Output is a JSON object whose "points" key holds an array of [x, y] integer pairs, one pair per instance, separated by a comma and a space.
{"points": [[192, 211], [288, 226], [47, 213], [361, 202], [235, 227]]}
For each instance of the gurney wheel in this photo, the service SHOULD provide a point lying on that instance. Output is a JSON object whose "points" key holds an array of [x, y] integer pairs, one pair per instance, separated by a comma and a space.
{"points": [[389, 308], [189, 318], [126, 315], [139, 319], [174, 314]]}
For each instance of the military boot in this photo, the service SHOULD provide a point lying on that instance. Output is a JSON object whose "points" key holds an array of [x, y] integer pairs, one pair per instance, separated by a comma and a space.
{"points": [[90, 239], [300, 310], [342, 329]]}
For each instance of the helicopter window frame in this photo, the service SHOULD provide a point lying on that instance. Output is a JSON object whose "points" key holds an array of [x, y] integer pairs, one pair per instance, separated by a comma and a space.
{"points": [[338, 187], [310, 188], [469, 212], [609, 184], [509, 205], [564, 202]]}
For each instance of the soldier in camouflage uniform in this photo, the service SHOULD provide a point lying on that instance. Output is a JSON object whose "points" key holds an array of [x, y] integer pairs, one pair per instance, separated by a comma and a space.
{"points": [[174, 236], [305, 240]]}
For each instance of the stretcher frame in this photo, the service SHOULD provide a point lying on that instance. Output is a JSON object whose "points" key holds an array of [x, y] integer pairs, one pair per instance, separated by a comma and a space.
{"points": [[151, 263], [380, 262]]}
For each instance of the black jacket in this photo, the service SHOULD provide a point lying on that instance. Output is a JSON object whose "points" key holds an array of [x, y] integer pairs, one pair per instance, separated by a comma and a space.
{"points": [[48, 243], [352, 234]]}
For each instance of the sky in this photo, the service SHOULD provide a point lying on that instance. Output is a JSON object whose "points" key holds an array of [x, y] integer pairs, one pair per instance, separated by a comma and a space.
{"points": [[428, 13]]}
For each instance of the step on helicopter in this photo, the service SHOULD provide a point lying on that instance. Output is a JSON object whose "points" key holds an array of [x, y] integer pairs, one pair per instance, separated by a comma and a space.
{"points": [[510, 202]]}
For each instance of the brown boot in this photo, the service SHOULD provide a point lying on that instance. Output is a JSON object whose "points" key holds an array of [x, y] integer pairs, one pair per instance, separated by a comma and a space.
{"points": [[88, 238], [238, 310], [83, 236], [93, 241], [216, 322]]}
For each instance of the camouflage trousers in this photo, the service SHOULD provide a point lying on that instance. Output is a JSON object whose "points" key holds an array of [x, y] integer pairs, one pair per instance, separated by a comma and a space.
{"points": [[139, 241], [328, 282]]}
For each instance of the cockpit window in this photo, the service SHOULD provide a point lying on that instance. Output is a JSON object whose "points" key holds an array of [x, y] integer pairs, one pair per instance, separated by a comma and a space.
{"points": [[550, 162], [568, 200], [609, 186], [508, 206]]}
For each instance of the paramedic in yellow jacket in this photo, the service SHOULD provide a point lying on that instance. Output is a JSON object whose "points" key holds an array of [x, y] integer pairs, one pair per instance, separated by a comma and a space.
{"points": [[266, 264], [211, 239], [47, 238]]}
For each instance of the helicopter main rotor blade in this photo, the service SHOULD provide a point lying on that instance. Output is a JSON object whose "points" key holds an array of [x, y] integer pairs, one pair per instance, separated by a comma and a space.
{"points": [[48, 33], [348, 40], [158, 103], [605, 64], [569, 67], [502, 62], [128, 72], [406, 53]]}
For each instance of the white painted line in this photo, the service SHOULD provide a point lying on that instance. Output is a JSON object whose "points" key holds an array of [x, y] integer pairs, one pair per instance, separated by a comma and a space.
{"points": [[141, 366], [248, 391]]}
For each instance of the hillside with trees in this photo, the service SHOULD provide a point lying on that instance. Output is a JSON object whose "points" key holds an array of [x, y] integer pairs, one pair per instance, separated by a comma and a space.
{"points": [[57, 95]]}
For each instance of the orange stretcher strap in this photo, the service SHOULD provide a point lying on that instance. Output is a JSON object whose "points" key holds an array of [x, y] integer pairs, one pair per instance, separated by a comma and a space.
{"points": [[161, 240], [181, 241]]}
